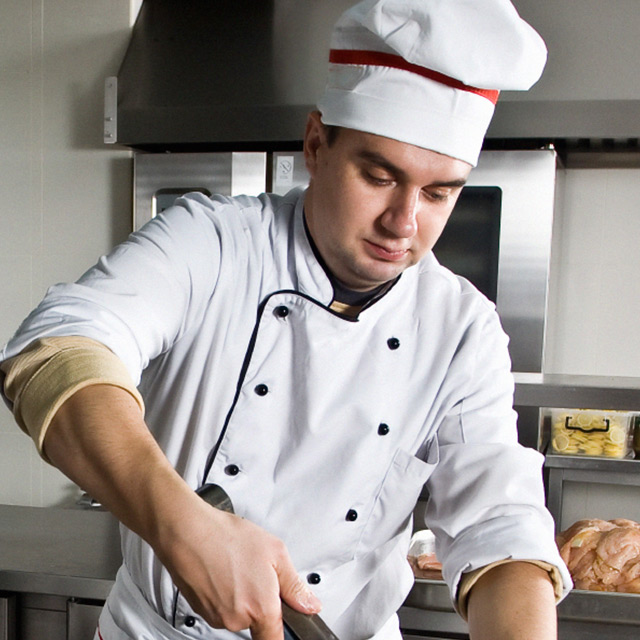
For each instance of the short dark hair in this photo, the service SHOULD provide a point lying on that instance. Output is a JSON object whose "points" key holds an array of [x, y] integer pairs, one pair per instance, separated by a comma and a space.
{"points": [[332, 133]]}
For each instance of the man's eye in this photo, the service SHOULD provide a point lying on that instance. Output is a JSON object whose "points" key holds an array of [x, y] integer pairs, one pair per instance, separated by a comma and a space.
{"points": [[437, 196], [377, 179]]}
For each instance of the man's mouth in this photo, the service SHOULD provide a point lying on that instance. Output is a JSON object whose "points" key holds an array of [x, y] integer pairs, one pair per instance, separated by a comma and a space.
{"points": [[392, 254]]}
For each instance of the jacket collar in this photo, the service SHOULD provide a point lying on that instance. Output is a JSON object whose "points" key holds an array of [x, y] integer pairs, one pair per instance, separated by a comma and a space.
{"points": [[312, 279]]}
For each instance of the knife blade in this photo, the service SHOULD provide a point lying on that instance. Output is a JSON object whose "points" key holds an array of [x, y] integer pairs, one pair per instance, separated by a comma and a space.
{"points": [[297, 625]]}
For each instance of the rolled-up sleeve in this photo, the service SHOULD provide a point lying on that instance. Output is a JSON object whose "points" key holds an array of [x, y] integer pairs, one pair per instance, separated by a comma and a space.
{"points": [[487, 501]]}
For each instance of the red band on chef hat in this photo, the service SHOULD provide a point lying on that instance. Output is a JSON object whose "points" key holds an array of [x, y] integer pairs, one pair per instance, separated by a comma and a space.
{"points": [[411, 70], [378, 58]]}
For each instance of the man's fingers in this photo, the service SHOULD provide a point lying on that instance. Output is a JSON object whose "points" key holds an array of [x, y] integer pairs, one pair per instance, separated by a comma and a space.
{"points": [[268, 629]]}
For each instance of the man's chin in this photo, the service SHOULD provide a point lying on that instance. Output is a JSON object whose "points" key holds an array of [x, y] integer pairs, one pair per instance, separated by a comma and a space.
{"points": [[369, 279]]}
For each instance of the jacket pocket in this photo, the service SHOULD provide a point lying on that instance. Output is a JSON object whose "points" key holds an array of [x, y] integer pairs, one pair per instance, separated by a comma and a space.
{"points": [[393, 506]]}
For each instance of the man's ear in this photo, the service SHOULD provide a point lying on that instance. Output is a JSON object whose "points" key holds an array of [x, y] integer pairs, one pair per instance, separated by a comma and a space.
{"points": [[314, 137]]}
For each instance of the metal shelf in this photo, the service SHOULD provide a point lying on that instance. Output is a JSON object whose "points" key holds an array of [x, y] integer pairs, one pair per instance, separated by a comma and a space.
{"points": [[602, 607], [66, 552], [584, 613], [615, 467], [588, 392]]}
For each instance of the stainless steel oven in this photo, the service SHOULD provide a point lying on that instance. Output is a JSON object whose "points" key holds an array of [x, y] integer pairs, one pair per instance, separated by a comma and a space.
{"points": [[499, 235]]}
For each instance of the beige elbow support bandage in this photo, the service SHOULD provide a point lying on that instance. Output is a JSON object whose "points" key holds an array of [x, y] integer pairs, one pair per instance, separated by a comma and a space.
{"points": [[50, 370]]}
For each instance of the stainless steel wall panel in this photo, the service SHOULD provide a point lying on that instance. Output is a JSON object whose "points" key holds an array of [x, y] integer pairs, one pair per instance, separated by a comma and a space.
{"points": [[161, 177], [527, 181]]}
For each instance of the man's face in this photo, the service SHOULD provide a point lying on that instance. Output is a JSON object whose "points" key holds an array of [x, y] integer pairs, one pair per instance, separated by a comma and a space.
{"points": [[376, 206]]}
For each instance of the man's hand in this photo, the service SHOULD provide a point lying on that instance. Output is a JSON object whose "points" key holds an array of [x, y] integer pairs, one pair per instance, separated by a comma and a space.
{"points": [[513, 601], [231, 571]]}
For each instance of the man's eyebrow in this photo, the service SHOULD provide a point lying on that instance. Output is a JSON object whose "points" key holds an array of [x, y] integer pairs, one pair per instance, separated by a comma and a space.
{"points": [[381, 161], [460, 182]]}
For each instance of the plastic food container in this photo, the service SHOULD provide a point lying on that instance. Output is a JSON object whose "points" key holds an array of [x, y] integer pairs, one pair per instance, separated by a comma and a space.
{"points": [[589, 432]]}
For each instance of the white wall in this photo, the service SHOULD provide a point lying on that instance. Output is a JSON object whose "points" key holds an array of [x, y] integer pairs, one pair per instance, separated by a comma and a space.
{"points": [[594, 302], [65, 197]]}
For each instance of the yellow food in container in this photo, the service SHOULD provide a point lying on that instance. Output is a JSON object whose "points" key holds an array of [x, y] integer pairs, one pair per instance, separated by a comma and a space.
{"points": [[590, 432]]}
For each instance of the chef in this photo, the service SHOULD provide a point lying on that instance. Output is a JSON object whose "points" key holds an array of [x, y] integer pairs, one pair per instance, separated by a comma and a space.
{"points": [[308, 354]]}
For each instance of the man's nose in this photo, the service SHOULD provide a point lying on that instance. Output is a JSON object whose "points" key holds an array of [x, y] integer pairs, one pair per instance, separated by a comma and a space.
{"points": [[400, 217]]}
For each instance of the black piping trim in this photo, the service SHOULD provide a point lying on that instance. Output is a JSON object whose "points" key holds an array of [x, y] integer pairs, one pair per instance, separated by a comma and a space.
{"points": [[241, 377], [247, 360], [381, 294], [174, 614]]}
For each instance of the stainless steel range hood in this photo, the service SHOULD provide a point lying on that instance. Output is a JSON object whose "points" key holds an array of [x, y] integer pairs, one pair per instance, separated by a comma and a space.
{"points": [[204, 74], [210, 74]]}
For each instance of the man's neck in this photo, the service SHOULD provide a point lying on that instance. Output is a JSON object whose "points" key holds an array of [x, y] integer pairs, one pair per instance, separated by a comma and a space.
{"points": [[342, 293]]}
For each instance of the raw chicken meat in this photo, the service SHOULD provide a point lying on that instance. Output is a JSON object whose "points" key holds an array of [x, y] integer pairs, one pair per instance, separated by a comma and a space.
{"points": [[603, 555], [422, 556]]}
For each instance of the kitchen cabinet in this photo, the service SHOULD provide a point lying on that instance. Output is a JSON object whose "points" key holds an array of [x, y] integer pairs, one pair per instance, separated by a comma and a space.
{"points": [[582, 615], [82, 618], [33, 616], [428, 613], [57, 567], [41, 616], [562, 469], [55, 617], [7, 616]]}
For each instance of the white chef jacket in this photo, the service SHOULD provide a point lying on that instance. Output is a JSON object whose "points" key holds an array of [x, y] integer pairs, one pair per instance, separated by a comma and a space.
{"points": [[322, 429]]}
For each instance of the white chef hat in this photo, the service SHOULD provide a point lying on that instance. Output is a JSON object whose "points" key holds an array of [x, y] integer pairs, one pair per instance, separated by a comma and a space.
{"points": [[428, 72]]}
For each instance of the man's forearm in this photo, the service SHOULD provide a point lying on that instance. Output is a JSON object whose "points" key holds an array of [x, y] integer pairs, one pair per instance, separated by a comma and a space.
{"points": [[513, 601], [98, 438]]}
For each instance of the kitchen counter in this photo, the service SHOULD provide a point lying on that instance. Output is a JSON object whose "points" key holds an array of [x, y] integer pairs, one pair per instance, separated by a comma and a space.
{"points": [[67, 552], [76, 553]]}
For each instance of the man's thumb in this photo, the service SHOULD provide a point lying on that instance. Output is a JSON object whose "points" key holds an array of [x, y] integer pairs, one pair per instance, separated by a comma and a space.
{"points": [[297, 594]]}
